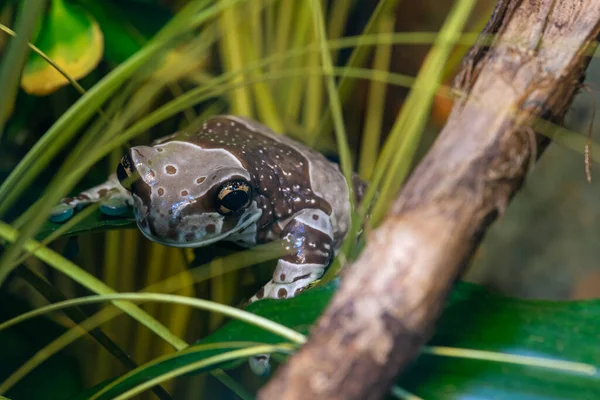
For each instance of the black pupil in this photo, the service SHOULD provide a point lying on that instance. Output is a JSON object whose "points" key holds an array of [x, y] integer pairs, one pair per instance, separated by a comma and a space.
{"points": [[235, 200]]}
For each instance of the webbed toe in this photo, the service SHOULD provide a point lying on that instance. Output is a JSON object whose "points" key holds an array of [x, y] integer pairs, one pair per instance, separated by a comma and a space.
{"points": [[61, 213], [114, 207]]}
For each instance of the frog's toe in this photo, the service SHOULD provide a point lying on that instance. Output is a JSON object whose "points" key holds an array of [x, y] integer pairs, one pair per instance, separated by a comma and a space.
{"points": [[260, 364], [114, 207], [61, 213]]}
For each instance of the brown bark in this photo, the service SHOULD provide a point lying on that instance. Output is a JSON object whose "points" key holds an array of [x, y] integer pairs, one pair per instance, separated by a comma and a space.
{"points": [[391, 298]]}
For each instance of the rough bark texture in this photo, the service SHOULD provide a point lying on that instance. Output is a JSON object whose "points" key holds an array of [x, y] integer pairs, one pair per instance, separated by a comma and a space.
{"points": [[390, 299]]}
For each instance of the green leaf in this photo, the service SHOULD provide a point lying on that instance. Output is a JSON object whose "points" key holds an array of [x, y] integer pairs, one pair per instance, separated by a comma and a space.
{"points": [[474, 319], [95, 222], [126, 27], [477, 319], [72, 39]]}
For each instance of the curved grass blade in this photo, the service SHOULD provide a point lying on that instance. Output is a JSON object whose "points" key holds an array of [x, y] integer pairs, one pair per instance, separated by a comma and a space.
{"points": [[214, 360], [78, 114], [57, 136], [85, 279], [77, 315], [185, 357], [47, 59], [117, 299], [400, 147], [201, 304], [16, 55], [232, 263]]}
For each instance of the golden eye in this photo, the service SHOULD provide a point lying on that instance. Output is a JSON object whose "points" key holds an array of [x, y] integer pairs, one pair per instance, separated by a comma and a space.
{"points": [[233, 197]]}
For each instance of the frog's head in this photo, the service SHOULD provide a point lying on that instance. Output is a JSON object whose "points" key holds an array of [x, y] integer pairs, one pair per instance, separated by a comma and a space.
{"points": [[188, 196]]}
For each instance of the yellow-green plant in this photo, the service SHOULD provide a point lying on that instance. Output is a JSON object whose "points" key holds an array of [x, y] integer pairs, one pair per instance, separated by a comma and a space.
{"points": [[276, 61]]}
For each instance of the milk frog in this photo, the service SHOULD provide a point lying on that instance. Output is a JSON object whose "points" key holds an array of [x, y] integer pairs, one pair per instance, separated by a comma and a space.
{"points": [[234, 180]]}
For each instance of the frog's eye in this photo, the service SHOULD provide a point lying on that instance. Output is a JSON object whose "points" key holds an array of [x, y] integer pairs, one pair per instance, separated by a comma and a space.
{"points": [[233, 197]]}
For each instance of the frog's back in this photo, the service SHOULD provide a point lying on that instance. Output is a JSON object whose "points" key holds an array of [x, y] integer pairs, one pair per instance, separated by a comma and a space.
{"points": [[290, 175]]}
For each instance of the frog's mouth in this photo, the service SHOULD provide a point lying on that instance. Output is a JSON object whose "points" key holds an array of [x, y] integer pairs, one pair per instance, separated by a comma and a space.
{"points": [[251, 216]]}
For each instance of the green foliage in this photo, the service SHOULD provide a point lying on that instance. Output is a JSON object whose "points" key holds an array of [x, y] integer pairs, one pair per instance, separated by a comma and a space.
{"points": [[553, 334], [286, 64]]}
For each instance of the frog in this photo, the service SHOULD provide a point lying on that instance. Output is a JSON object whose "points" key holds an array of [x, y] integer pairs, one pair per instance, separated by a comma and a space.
{"points": [[234, 180]]}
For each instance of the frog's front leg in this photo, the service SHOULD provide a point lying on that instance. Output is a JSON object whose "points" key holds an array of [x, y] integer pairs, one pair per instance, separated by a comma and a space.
{"points": [[309, 235], [114, 199]]}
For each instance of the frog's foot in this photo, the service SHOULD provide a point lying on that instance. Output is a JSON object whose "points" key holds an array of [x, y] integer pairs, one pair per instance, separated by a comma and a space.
{"points": [[260, 364], [301, 276], [113, 198]]}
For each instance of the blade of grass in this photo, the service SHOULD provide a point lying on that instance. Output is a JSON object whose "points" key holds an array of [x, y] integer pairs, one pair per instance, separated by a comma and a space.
{"points": [[118, 298], [229, 356], [153, 267], [137, 297], [372, 130], [401, 145], [232, 263], [232, 55], [78, 114], [190, 350], [110, 274], [14, 59], [90, 282], [338, 121], [293, 89], [457, 56], [338, 19], [255, 27], [199, 304], [334, 100], [204, 93], [541, 362], [54, 65], [71, 168], [285, 14], [76, 314], [402, 394], [313, 105], [177, 318], [263, 98], [357, 58]]}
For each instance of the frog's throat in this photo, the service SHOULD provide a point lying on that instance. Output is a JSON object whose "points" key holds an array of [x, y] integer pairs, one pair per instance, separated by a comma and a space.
{"points": [[249, 221]]}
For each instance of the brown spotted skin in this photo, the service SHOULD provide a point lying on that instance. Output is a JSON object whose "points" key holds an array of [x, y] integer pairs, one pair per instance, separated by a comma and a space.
{"points": [[293, 194], [296, 195], [280, 171]]}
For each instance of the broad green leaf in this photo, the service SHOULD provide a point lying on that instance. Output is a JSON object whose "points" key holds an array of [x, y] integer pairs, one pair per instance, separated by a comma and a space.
{"points": [[474, 319], [477, 319], [70, 37]]}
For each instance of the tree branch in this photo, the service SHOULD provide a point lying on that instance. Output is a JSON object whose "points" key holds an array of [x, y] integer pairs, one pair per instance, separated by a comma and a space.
{"points": [[389, 301]]}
